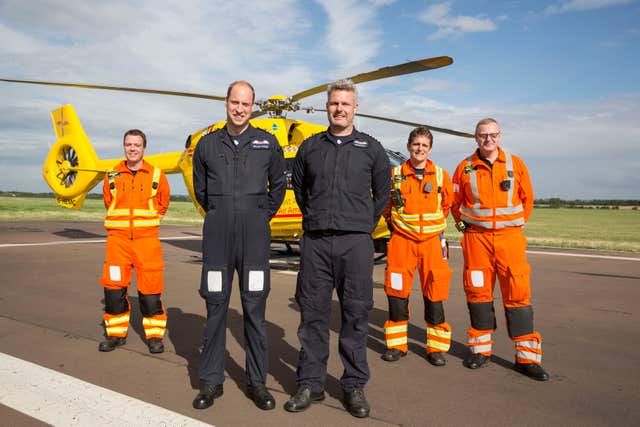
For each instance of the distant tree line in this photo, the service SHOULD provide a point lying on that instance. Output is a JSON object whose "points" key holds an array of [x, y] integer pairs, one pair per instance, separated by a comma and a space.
{"points": [[553, 202]]}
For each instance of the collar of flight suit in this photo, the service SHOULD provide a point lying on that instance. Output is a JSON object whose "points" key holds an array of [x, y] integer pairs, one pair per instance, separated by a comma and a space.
{"points": [[249, 134], [478, 160], [122, 167], [408, 169], [344, 138]]}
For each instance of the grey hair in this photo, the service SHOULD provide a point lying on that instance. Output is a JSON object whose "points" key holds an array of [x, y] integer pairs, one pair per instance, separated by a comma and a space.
{"points": [[486, 121], [343, 84]]}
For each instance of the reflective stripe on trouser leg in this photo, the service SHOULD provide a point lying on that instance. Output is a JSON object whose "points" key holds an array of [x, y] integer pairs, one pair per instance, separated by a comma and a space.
{"points": [[395, 334], [154, 320], [116, 325], [155, 326], [479, 341], [529, 348], [438, 337]]}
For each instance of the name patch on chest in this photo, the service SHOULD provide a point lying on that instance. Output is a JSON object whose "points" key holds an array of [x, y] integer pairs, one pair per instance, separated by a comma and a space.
{"points": [[260, 144], [360, 144]]}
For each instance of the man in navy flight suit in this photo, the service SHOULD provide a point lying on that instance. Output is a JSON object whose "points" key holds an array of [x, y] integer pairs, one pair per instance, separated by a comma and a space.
{"points": [[341, 179], [239, 180]]}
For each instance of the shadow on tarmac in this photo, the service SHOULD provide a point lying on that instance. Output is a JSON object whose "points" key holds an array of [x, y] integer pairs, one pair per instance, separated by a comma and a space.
{"points": [[186, 331]]}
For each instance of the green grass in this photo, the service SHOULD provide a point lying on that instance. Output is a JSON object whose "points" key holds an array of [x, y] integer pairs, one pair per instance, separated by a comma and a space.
{"points": [[603, 229], [27, 208]]}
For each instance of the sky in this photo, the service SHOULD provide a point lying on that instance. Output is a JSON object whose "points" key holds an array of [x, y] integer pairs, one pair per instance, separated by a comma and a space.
{"points": [[561, 76]]}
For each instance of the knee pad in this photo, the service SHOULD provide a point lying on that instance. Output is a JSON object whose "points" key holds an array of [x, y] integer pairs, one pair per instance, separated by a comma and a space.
{"points": [[398, 309], [150, 305], [483, 316], [519, 320], [434, 312], [115, 301]]}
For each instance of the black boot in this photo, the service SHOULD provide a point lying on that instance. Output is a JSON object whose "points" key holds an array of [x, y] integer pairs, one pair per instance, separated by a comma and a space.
{"points": [[436, 358], [261, 396], [155, 345], [303, 398], [392, 355], [532, 370], [111, 343], [356, 403], [208, 392], [475, 360]]}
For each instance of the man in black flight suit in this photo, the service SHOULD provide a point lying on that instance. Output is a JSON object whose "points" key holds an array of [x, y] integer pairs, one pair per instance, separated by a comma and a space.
{"points": [[341, 180], [232, 169]]}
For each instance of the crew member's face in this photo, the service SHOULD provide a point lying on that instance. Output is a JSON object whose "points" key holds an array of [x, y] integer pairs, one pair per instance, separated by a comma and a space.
{"points": [[488, 138], [419, 149], [239, 106], [133, 148], [341, 109]]}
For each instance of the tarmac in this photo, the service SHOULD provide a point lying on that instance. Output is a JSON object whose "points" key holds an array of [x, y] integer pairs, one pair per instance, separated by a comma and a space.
{"points": [[585, 304]]}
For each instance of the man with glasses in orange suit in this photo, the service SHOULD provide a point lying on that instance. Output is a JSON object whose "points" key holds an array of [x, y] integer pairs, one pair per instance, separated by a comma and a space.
{"points": [[493, 201]]}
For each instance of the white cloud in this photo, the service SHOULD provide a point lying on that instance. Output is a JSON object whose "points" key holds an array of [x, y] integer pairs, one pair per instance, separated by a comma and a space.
{"points": [[582, 5], [352, 34], [454, 26]]}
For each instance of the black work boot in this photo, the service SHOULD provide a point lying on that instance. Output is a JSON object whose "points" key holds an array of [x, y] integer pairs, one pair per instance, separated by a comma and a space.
{"points": [[393, 355], [475, 360], [111, 343], [155, 345], [532, 370], [208, 392], [436, 358], [356, 403], [261, 396], [303, 398]]}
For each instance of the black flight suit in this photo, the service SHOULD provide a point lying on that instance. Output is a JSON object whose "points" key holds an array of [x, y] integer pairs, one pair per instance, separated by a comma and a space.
{"points": [[230, 182], [342, 186]]}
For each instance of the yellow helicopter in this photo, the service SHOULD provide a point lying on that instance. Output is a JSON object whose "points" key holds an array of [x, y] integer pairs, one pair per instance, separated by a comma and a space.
{"points": [[72, 167]]}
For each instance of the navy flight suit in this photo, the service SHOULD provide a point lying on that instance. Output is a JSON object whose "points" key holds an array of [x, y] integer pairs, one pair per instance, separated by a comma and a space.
{"points": [[342, 186], [230, 181]]}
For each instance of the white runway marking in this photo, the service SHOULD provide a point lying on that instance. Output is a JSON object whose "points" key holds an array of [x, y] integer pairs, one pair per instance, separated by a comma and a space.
{"points": [[74, 242], [59, 399], [583, 255], [534, 252]]}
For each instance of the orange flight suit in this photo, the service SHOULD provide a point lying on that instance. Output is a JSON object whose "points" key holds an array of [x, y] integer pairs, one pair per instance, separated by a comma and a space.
{"points": [[417, 241], [135, 205], [495, 202]]}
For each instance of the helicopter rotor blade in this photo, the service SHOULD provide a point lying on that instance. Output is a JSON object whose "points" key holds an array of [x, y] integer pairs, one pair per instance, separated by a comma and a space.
{"points": [[383, 73], [414, 124], [118, 88]]}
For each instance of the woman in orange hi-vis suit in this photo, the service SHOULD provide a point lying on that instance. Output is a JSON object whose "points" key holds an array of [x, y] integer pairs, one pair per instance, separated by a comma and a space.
{"points": [[493, 201], [421, 198], [136, 195]]}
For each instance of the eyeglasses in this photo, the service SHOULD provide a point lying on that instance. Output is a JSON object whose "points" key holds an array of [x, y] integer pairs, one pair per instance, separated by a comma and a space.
{"points": [[487, 135]]}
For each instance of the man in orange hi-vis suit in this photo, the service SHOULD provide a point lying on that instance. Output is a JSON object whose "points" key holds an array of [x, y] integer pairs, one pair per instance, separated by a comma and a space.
{"points": [[421, 198], [493, 201], [136, 195]]}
